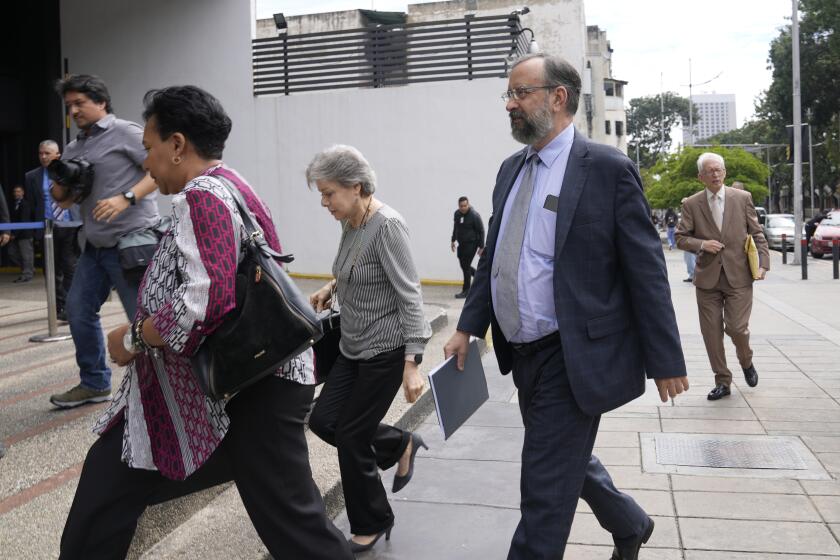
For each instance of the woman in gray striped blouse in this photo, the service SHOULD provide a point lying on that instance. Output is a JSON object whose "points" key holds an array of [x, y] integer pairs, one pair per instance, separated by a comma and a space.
{"points": [[383, 333]]}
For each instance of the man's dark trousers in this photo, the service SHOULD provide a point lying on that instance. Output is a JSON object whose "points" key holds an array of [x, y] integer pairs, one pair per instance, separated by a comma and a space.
{"points": [[558, 465], [66, 251], [466, 254]]}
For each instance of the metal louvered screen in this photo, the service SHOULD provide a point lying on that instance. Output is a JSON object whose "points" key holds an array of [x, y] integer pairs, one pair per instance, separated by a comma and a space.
{"points": [[387, 55]]}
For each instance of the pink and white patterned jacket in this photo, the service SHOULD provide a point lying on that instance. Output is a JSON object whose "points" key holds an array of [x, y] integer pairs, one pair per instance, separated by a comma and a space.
{"points": [[169, 424]]}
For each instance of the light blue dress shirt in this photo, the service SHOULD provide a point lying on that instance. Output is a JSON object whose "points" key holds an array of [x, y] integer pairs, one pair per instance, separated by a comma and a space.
{"points": [[536, 262]]}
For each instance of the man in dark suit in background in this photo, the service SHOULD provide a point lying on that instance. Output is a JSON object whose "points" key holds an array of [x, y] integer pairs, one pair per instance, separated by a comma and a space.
{"points": [[468, 231], [574, 285], [20, 249], [65, 223]]}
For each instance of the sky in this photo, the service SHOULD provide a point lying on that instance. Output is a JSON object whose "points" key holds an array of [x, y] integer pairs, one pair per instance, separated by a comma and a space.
{"points": [[653, 41]]}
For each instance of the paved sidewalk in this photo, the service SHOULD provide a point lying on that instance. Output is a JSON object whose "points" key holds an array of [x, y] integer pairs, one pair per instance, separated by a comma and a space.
{"points": [[463, 501]]}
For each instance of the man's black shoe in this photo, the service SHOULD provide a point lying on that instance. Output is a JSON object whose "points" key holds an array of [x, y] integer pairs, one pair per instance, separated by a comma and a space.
{"points": [[61, 315], [751, 376], [461, 295], [628, 548], [688, 279], [718, 392]]}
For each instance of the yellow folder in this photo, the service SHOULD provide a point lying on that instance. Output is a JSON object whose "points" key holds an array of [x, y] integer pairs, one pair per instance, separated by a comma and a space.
{"points": [[752, 256]]}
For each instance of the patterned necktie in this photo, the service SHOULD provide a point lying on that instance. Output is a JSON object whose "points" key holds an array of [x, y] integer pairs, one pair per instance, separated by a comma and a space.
{"points": [[508, 254], [59, 213], [717, 210]]}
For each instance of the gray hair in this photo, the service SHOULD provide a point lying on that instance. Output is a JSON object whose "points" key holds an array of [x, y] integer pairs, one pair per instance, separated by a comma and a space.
{"points": [[706, 156], [343, 164], [558, 71], [49, 142]]}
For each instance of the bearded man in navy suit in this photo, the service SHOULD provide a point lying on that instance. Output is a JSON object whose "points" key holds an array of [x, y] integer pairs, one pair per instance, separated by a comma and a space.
{"points": [[574, 284]]}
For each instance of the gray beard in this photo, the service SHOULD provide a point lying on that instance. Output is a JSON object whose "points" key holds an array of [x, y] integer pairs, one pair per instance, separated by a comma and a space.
{"points": [[533, 127]]}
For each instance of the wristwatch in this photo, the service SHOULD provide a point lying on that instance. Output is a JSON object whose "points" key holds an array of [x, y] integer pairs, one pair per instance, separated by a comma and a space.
{"points": [[129, 196], [128, 343], [416, 358]]}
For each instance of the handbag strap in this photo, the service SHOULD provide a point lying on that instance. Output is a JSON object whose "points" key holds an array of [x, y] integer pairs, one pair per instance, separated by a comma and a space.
{"points": [[255, 234]]}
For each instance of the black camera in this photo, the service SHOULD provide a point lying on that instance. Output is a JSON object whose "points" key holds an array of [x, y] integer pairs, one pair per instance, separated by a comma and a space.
{"points": [[75, 175]]}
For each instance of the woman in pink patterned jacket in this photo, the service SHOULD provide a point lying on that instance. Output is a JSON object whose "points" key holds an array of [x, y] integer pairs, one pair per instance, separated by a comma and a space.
{"points": [[162, 437]]}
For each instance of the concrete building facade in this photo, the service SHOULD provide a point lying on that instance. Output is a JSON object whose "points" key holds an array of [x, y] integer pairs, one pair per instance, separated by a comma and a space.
{"points": [[717, 114], [605, 113]]}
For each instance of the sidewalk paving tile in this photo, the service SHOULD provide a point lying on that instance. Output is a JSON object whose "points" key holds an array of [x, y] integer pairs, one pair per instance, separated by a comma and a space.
{"points": [[811, 403], [655, 503], [728, 555], [821, 487], [735, 485], [822, 443], [455, 482], [690, 426], [616, 439], [586, 530], [591, 552], [629, 424], [424, 531], [618, 456], [781, 537], [707, 413], [632, 478], [829, 507], [727, 505]]}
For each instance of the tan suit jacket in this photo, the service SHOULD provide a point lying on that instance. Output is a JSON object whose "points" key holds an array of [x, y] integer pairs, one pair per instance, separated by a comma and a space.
{"points": [[739, 221]]}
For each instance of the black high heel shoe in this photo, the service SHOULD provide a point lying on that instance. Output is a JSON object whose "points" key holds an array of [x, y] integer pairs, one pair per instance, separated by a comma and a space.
{"points": [[400, 481], [356, 547]]}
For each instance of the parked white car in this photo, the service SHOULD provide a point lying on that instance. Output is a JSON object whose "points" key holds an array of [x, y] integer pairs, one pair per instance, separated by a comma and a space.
{"points": [[776, 225]]}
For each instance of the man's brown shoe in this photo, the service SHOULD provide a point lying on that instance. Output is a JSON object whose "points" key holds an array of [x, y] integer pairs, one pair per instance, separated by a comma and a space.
{"points": [[80, 395]]}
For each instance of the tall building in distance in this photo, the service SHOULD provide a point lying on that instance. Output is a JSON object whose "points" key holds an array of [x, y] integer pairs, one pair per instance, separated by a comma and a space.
{"points": [[717, 114]]}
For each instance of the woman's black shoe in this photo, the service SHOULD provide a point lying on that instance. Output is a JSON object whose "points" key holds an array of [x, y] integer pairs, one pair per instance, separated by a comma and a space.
{"points": [[356, 547], [401, 481]]}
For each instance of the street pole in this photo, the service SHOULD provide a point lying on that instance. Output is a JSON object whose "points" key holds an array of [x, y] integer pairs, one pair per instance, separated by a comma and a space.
{"points": [[690, 109], [661, 116], [811, 167], [638, 165], [769, 181], [797, 134]]}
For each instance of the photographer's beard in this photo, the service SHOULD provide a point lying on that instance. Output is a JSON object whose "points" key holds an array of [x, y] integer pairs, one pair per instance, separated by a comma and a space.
{"points": [[531, 128]]}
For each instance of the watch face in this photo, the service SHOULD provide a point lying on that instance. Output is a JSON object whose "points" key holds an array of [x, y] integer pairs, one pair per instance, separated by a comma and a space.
{"points": [[418, 359], [127, 341]]}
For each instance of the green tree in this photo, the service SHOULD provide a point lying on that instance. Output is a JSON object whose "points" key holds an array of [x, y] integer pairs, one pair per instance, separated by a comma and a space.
{"points": [[820, 83], [675, 176], [646, 121]]}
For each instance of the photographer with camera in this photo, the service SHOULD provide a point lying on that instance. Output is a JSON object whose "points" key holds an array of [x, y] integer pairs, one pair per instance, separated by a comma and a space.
{"points": [[102, 172]]}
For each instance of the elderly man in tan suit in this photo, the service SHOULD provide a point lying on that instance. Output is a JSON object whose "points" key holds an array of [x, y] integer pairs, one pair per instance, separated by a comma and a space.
{"points": [[715, 224]]}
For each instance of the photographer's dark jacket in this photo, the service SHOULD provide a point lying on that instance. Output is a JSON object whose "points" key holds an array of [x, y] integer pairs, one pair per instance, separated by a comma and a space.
{"points": [[115, 149], [468, 230]]}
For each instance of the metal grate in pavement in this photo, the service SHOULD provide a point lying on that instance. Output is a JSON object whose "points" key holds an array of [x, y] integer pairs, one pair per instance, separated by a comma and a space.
{"points": [[676, 449], [752, 456]]}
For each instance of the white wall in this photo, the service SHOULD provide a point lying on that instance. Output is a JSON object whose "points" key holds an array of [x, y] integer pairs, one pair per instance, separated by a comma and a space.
{"points": [[429, 144], [137, 46]]}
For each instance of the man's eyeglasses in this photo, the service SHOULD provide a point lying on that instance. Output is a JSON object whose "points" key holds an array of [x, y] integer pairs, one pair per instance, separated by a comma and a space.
{"points": [[522, 92]]}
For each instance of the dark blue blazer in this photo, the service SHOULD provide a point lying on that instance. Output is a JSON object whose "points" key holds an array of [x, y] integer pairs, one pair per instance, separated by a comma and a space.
{"points": [[611, 294], [34, 193]]}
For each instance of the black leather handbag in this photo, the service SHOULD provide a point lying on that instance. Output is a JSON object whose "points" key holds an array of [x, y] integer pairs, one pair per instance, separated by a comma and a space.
{"points": [[272, 323], [326, 349]]}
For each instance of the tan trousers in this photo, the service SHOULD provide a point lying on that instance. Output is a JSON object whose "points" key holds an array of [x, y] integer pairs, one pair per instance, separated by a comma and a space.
{"points": [[725, 309]]}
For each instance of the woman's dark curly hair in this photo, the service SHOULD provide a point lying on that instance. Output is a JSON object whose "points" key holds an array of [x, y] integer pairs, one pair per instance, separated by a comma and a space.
{"points": [[194, 113]]}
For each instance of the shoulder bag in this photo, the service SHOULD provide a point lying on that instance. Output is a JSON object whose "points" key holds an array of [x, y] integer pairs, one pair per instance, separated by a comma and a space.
{"points": [[271, 324]]}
